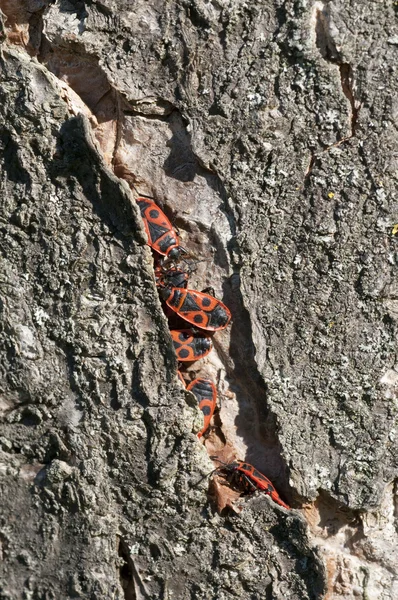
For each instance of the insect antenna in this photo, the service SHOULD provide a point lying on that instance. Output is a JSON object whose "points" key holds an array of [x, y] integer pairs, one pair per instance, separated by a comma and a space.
{"points": [[204, 477], [218, 460], [191, 265]]}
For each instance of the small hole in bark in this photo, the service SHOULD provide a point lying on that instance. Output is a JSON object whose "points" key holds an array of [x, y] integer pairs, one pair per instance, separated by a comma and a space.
{"points": [[324, 40], [155, 551], [30, 419], [126, 573]]}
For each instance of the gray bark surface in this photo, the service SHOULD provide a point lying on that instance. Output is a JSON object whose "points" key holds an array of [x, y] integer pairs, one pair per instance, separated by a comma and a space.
{"points": [[269, 131]]}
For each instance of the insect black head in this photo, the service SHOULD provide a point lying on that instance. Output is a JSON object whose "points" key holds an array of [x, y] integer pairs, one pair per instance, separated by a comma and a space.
{"points": [[175, 253]]}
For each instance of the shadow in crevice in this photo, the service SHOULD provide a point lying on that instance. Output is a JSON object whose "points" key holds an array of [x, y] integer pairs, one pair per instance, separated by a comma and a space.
{"points": [[137, 392], [13, 166], [182, 163], [75, 159], [126, 571], [309, 567], [255, 423], [334, 515]]}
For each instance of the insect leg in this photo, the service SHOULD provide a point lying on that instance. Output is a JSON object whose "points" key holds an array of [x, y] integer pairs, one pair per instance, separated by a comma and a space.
{"points": [[209, 290]]}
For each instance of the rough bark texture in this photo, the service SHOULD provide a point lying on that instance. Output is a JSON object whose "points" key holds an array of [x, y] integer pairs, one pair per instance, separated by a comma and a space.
{"points": [[268, 130]]}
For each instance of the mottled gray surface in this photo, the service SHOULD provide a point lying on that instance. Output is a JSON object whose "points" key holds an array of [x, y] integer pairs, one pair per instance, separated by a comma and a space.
{"points": [[274, 124]]}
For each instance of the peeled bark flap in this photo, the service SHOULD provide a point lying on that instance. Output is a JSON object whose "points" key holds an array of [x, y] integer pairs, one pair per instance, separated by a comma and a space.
{"points": [[267, 131]]}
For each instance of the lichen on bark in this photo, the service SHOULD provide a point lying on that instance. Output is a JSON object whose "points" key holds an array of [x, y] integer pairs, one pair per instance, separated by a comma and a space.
{"points": [[267, 131]]}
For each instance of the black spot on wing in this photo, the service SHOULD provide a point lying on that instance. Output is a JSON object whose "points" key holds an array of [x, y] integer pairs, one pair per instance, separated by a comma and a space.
{"points": [[183, 353], [206, 387], [177, 278], [203, 390], [259, 475], [206, 301], [206, 410], [143, 204]]}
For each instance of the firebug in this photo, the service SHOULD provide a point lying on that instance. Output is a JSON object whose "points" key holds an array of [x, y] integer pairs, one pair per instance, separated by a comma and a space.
{"points": [[206, 394], [248, 478], [161, 234], [190, 347], [198, 308], [171, 276]]}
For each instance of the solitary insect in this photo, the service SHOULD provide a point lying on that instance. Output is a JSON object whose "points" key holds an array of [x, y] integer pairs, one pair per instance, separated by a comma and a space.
{"points": [[206, 394], [249, 479], [161, 235], [197, 308], [189, 347]]}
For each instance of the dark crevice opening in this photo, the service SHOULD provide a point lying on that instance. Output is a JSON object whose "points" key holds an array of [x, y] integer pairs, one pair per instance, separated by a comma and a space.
{"points": [[126, 572], [329, 52], [76, 153], [347, 82]]}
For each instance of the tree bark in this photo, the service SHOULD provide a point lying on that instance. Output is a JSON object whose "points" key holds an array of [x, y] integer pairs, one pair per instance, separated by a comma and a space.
{"points": [[267, 132]]}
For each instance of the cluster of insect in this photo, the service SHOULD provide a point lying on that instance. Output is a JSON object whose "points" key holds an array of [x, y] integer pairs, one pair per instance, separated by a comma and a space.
{"points": [[204, 314]]}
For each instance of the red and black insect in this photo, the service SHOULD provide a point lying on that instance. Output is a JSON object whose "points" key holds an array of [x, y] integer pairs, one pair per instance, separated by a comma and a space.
{"points": [[190, 347], [206, 394], [249, 479], [197, 308], [172, 276], [161, 234]]}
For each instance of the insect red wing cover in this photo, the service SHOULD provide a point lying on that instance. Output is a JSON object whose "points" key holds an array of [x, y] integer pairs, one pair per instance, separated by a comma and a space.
{"points": [[189, 347], [276, 498], [206, 394], [198, 308], [261, 482], [160, 232]]}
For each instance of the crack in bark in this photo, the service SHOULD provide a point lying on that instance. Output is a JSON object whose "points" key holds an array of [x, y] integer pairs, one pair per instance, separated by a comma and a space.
{"points": [[111, 105], [130, 579], [347, 85], [330, 53]]}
